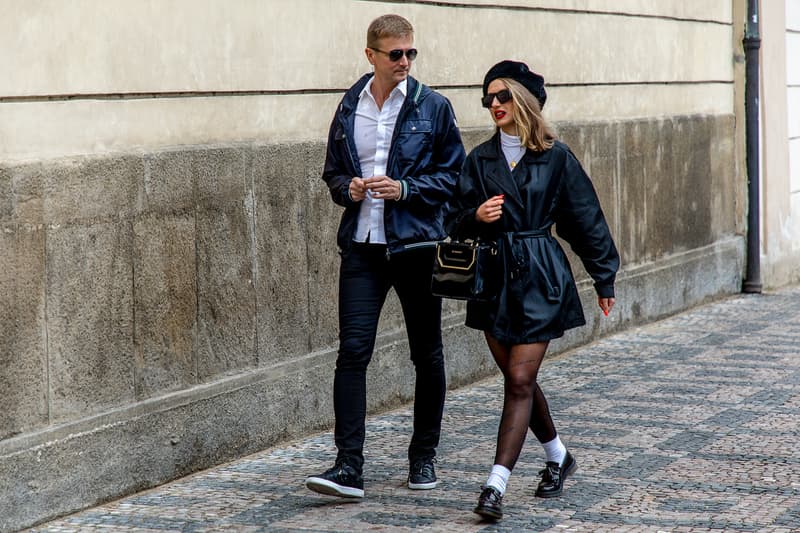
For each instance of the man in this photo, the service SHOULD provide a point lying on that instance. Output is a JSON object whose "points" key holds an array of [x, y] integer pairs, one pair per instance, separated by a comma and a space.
{"points": [[394, 155]]}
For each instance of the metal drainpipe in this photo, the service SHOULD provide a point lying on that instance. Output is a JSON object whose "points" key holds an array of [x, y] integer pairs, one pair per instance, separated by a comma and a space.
{"points": [[752, 44]]}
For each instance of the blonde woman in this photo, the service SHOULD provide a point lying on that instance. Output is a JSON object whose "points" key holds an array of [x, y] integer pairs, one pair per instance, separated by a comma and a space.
{"points": [[513, 189]]}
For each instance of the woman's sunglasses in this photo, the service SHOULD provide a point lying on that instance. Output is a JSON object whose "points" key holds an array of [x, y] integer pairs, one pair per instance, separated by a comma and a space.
{"points": [[502, 97], [395, 55]]}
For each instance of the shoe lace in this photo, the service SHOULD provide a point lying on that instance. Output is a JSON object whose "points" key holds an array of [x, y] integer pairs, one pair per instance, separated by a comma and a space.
{"points": [[491, 495], [423, 466], [341, 467], [550, 472]]}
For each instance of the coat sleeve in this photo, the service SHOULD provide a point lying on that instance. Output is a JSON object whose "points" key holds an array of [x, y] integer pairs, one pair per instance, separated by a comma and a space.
{"points": [[580, 221], [431, 190], [335, 172], [460, 219]]}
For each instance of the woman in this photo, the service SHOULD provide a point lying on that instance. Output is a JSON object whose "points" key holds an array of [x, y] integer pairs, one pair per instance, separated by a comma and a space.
{"points": [[513, 189]]}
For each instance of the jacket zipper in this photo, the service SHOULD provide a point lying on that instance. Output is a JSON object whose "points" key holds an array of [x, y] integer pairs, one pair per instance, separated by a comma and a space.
{"points": [[347, 145], [421, 244], [412, 246], [404, 112], [402, 117]]}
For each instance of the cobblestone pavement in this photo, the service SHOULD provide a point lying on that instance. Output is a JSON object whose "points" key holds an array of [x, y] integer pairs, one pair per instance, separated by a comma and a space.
{"points": [[687, 424]]}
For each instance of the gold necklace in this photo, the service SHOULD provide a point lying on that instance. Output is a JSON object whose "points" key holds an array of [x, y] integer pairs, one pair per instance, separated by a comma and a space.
{"points": [[513, 162]]}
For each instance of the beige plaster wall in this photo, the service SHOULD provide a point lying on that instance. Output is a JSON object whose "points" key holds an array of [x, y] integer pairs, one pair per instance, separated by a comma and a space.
{"points": [[780, 147], [159, 169], [97, 76], [793, 116]]}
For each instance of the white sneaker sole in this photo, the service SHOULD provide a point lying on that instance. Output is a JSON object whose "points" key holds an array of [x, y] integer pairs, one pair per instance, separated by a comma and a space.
{"points": [[323, 486], [422, 486]]}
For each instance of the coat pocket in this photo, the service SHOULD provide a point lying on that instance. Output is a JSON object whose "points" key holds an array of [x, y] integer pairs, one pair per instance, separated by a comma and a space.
{"points": [[413, 145], [545, 267], [553, 288]]}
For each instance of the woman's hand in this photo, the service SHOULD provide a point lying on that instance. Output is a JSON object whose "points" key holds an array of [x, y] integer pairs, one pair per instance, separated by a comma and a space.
{"points": [[490, 210], [606, 304]]}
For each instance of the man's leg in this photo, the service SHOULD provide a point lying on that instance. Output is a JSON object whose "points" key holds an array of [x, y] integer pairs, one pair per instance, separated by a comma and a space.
{"points": [[362, 291], [363, 285], [411, 277]]}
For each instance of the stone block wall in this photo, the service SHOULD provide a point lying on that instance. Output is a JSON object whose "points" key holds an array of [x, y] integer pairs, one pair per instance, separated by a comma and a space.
{"points": [[164, 311]]}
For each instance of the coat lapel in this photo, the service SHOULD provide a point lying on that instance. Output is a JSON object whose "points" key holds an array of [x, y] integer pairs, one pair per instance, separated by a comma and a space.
{"points": [[502, 178], [498, 173]]}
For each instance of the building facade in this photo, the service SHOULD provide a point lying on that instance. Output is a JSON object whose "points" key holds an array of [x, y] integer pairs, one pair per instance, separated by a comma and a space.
{"points": [[780, 142], [168, 268]]}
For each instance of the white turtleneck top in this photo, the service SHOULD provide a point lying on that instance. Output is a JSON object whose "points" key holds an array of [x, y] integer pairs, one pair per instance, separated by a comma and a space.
{"points": [[512, 149]]}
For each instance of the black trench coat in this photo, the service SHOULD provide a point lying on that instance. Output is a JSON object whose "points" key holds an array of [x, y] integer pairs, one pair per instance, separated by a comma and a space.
{"points": [[538, 299]]}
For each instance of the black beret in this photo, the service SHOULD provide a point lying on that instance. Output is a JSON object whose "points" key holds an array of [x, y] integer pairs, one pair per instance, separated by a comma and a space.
{"points": [[520, 72]]}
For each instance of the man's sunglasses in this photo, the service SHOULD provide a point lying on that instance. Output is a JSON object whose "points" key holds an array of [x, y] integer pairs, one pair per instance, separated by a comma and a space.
{"points": [[395, 55], [502, 97]]}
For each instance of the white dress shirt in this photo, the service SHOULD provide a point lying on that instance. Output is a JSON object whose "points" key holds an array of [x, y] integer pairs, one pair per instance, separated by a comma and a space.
{"points": [[373, 136]]}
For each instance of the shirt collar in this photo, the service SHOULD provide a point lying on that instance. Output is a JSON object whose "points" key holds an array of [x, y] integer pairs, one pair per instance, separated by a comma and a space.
{"points": [[402, 87]]}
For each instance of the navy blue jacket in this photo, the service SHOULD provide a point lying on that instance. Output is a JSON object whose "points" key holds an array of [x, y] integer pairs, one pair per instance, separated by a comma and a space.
{"points": [[426, 155], [538, 299]]}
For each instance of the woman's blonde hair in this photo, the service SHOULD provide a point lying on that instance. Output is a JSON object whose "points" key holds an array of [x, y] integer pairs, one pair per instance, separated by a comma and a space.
{"points": [[533, 130]]}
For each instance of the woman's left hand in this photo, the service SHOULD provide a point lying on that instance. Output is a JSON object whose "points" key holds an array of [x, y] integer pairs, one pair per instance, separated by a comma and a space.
{"points": [[606, 304]]}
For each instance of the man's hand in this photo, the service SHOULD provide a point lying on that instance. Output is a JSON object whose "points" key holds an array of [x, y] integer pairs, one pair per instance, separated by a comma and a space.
{"points": [[384, 187], [358, 190]]}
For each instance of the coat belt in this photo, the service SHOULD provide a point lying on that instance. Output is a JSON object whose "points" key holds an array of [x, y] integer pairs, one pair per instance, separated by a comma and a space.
{"points": [[528, 233], [515, 265]]}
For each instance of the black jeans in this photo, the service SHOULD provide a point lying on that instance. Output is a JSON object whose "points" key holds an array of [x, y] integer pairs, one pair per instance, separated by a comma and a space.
{"points": [[365, 277]]}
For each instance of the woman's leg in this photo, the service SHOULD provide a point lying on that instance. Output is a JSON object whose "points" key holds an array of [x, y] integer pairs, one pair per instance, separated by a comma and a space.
{"points": [[520, 367], [541, 423]]}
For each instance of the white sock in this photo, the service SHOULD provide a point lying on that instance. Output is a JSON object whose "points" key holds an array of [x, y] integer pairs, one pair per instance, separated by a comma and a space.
{"points": [[498, 478], [555, 450]]}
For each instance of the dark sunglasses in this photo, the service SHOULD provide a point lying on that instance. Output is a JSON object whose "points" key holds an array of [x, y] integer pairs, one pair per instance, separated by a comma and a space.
{"points": [[395, 55], [502, 97]]}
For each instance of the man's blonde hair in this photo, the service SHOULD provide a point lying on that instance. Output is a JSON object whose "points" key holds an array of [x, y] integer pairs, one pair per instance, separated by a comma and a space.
{"points": [[533, 130], [388, 26]]}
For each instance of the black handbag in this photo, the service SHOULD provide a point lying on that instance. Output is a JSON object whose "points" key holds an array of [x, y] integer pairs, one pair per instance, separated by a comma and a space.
{"points": [[466, 270]]}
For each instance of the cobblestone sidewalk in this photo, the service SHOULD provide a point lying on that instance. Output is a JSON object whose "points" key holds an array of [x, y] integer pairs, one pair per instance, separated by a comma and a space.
{"points": [[688, 424]]}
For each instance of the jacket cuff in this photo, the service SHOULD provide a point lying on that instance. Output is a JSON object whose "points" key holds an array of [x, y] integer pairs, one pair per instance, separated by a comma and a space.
{"points": [[604, 291], [403, 191]]}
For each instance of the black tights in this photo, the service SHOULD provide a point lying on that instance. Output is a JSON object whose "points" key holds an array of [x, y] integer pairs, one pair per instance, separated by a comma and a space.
{"points": [[524, 404]]}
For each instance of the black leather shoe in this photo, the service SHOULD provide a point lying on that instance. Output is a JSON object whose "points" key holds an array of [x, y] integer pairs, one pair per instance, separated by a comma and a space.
{"points": [[421, 475], [553, 477], [342, 480], [490, 504]]}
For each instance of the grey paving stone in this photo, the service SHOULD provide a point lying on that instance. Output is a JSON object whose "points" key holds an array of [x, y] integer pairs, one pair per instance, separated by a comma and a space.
{"points": [[689, 424]]}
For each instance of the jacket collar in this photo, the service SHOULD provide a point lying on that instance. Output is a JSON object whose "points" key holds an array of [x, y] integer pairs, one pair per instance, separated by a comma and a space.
{"points": [[497, 168], [491, 150], [415, 93], [402, 87]]}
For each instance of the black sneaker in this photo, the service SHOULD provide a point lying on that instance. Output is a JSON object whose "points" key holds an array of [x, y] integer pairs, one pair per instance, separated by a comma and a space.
{"points": [[553, 477], [490, 504], [421, 475], [342, 480]]}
